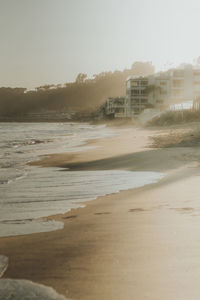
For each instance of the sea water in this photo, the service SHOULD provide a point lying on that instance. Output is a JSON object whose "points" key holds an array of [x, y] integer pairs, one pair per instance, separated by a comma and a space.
{"points": [[29, 193]]}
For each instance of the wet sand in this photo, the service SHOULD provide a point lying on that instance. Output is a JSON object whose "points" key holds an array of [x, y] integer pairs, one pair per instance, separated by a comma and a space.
{"points": [[138, 244]]}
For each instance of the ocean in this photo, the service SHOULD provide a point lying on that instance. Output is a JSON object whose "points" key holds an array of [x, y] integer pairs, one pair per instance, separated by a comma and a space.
{"points": [[29, 193]]}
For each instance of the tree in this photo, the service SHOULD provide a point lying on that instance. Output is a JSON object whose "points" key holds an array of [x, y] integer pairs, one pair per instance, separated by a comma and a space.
{"points": [[81, 77], [142, 68]]}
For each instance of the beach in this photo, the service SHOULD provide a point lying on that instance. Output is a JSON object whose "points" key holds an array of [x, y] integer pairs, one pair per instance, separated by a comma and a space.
{"points": [[141, 243]]}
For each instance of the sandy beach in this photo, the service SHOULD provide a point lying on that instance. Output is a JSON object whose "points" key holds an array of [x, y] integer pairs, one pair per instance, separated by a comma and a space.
{"points": [[137, 244]]}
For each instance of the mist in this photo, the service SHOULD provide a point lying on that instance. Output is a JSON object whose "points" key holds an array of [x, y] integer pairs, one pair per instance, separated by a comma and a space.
{"points": [[82, 95]]}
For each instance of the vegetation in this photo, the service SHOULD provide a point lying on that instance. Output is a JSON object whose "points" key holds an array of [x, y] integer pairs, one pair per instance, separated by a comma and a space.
{"points": [[176, 117], [83, 95]]}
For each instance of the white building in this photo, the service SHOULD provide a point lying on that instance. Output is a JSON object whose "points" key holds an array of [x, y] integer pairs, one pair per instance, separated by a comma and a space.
{"points": [[161, 89]]}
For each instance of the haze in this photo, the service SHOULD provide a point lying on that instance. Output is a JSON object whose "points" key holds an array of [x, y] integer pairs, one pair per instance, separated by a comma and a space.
{"points": [[47, 41]]}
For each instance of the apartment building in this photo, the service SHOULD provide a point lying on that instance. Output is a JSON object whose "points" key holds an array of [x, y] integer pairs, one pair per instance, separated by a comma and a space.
{"points": [[161, 89]]}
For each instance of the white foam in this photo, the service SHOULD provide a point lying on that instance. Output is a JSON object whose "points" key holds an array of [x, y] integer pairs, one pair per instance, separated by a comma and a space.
{"points": [[34, 193], [14, 227], [11, 289], [48, 191]]}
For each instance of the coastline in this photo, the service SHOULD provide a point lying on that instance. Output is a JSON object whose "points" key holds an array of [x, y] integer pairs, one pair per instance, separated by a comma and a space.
{"points": [[110, 248], [131, 149], [126, 141]]}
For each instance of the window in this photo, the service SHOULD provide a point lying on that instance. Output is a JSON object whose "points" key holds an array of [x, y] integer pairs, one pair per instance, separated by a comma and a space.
{"points": [[135, 92], [144, 92], [136, 101], [135, 83], [144, 82], [178, 83], [143, 101], [119, 110], [159, 101], [177, 92], [163, 92], [197, 73], [163, 83]]}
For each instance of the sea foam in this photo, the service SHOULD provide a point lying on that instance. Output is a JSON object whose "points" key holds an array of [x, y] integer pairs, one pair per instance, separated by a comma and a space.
{"points": [[13, 289], [3, 264], [27, 194]]}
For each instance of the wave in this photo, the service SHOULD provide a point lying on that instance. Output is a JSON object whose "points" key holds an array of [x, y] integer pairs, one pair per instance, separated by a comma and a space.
{"points": [[26, 226], [19, 289], [48, 191], [17, 144], [3, 264], [10, 179]]}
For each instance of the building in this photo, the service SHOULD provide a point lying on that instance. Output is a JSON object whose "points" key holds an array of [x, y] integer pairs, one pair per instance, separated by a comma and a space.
{"points": [[115, 107], [161, 89]]}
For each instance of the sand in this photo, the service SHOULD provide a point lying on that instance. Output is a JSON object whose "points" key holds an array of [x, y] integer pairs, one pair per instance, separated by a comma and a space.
{"points": [[138, 244]]}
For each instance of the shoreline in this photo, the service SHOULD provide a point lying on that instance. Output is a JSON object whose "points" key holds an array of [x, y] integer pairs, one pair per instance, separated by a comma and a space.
{"points": [[109, 248], [126, 141]]}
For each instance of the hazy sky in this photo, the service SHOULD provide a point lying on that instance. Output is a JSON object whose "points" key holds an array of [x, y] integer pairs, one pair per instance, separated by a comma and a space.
{"points": [[51, 41]]}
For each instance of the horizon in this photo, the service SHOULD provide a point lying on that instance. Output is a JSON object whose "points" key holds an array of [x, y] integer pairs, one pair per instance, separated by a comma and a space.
{"points": [[48, 42], [165, 68]]}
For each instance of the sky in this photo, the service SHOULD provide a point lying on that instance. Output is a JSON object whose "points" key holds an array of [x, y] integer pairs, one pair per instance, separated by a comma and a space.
{"points": [[51, 41]]}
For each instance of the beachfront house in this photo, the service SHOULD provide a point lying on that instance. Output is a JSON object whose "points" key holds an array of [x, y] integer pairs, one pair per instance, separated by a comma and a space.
{"points": [[157, 91], [115, 107], [162, 89]]}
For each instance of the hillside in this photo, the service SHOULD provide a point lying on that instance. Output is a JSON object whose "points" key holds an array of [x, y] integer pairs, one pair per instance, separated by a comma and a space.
{"points": [[82, 96]]}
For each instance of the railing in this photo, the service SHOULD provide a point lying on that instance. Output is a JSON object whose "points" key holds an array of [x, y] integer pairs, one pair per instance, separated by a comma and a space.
{"points": [[188, 105]]}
